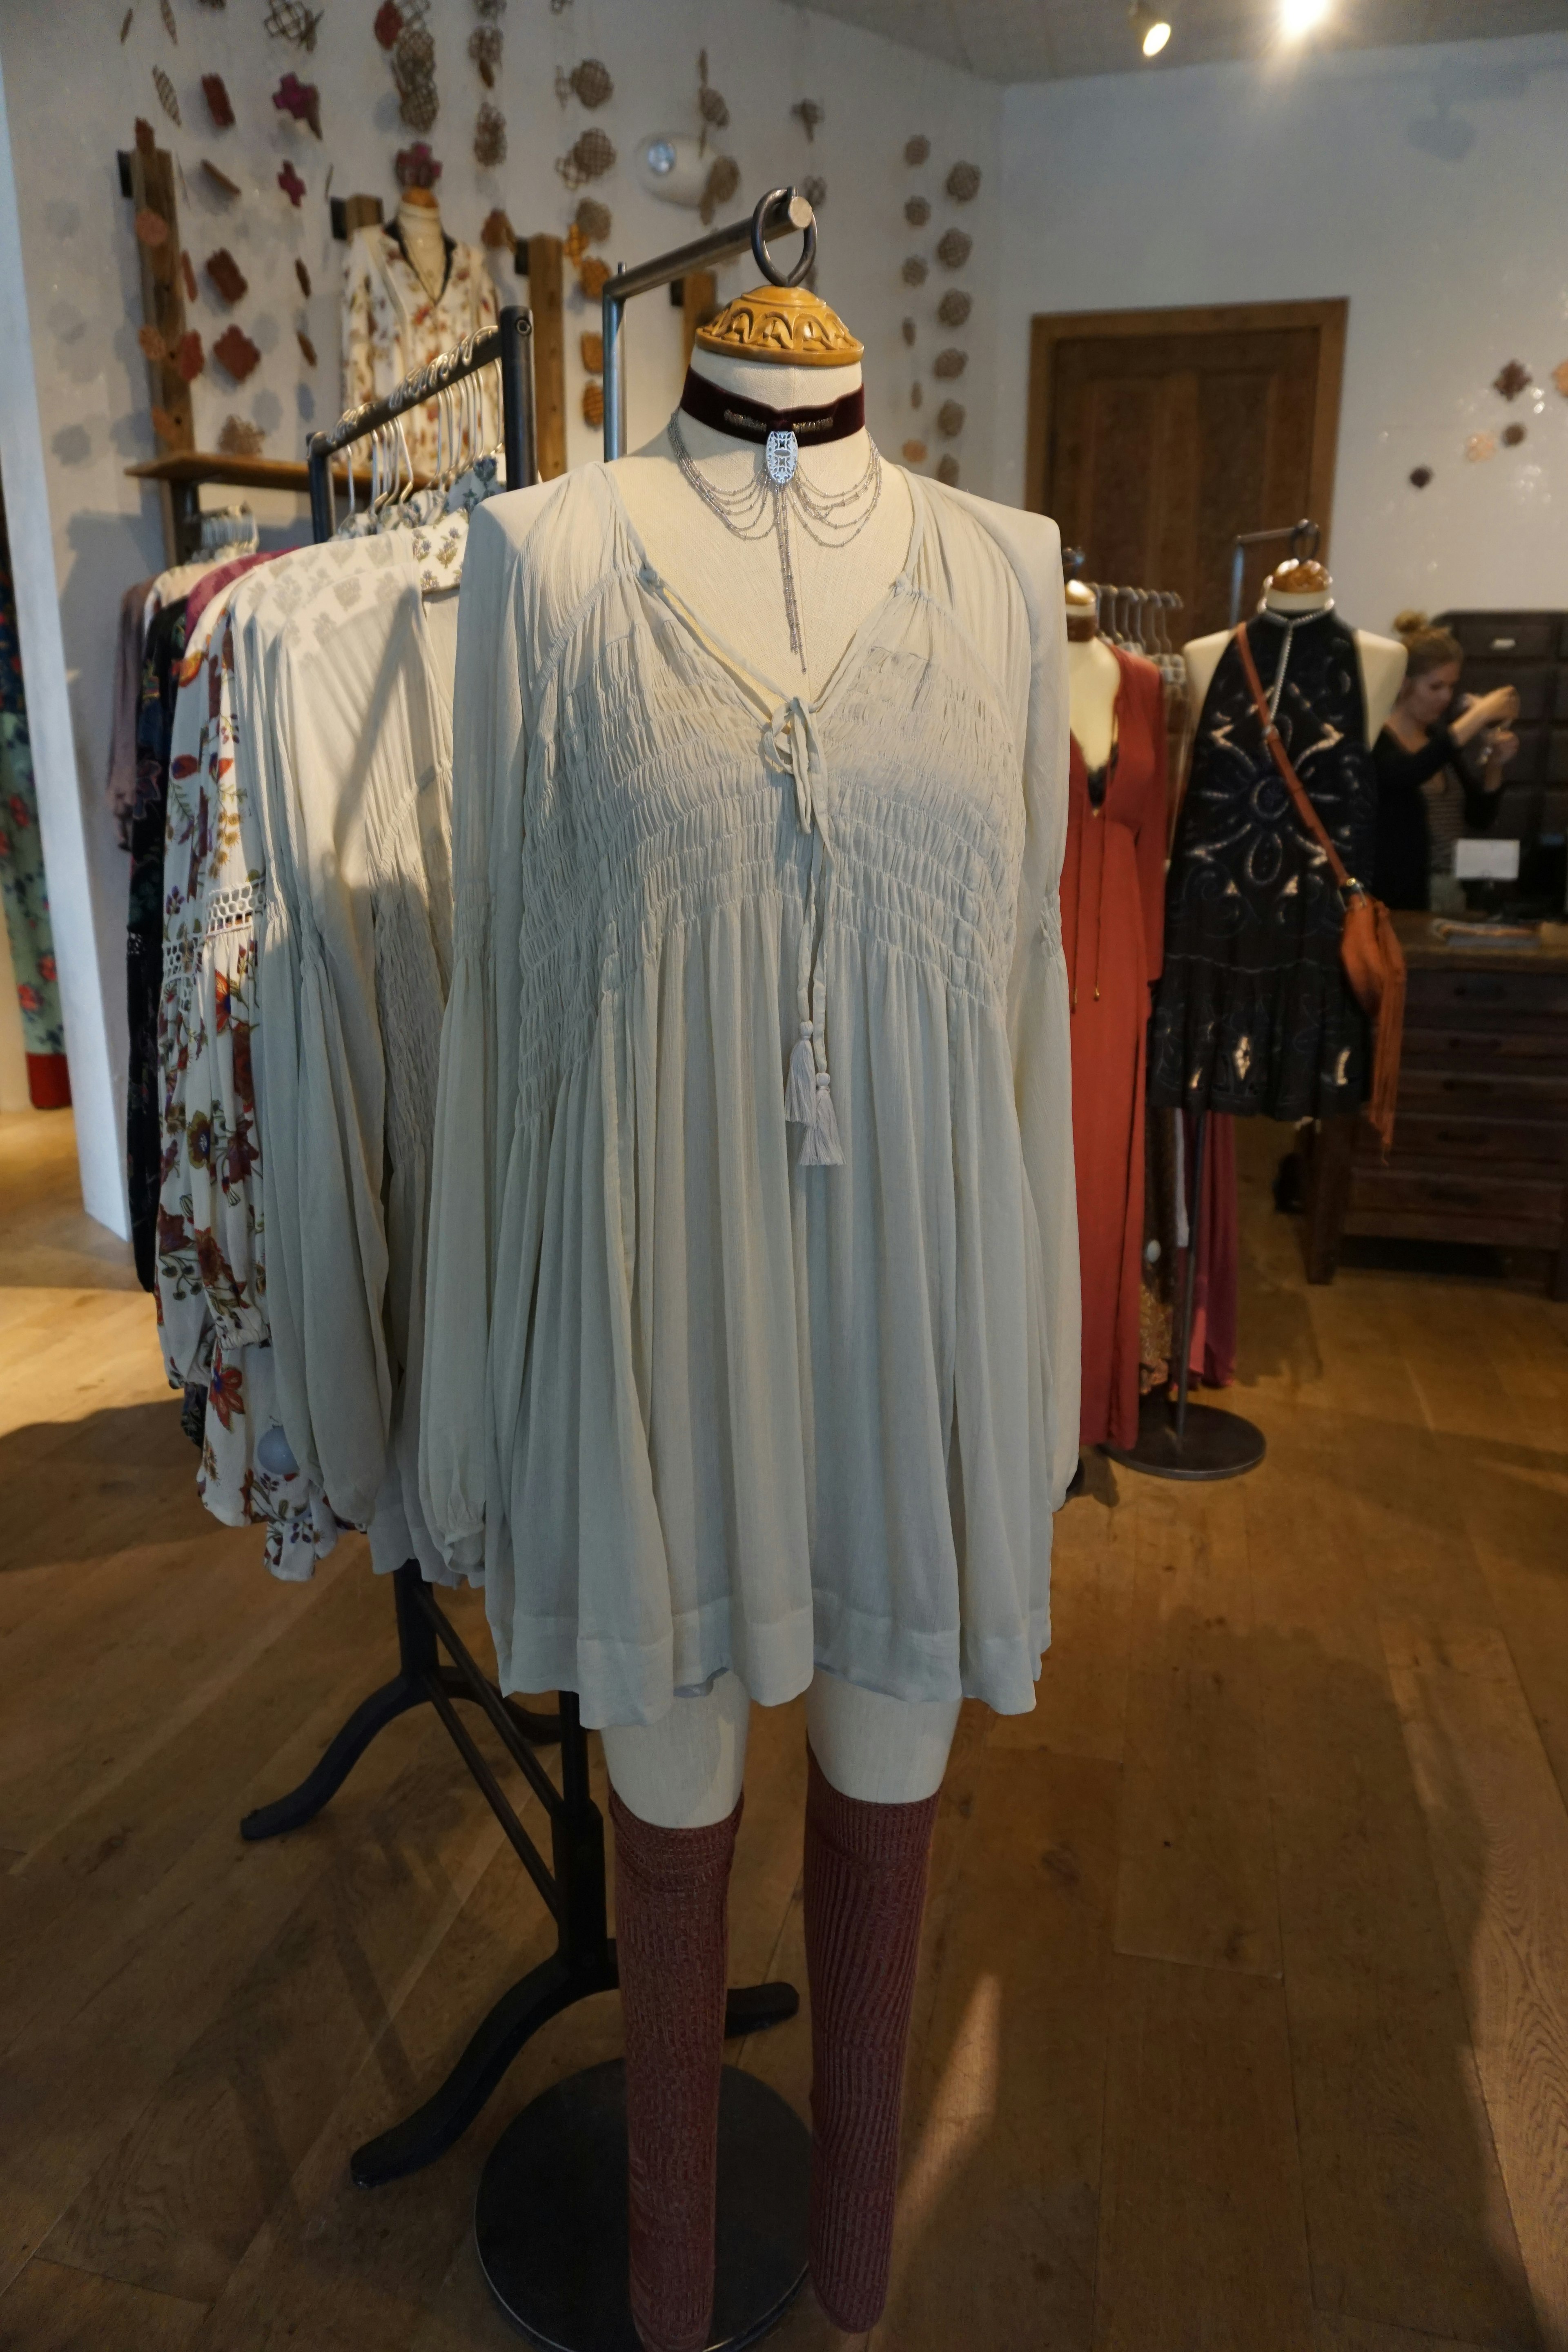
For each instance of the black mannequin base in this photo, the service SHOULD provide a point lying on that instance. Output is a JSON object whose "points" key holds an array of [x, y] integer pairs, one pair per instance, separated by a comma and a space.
{"points": [[1212, 1444], [550, 2223]]}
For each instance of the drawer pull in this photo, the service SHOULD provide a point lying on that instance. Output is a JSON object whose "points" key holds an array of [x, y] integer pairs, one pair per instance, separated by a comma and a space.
{"points": [[1503, 644]]}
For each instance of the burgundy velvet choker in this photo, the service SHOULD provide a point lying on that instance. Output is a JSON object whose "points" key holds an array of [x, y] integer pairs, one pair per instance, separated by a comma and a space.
{"points": [[748, 420]]}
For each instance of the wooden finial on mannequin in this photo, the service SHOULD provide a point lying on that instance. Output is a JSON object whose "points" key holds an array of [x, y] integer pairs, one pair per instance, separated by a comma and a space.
{"points": [[785, 324], [1297, 588]]}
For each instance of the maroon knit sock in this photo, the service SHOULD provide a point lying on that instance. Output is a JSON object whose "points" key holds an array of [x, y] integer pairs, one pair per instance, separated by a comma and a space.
{"points": [[671, 1935], [864, 1891]]}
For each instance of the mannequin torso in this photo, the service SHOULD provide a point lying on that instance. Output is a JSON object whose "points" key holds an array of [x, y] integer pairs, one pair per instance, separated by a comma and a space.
{"points": [[1094, 680], [731, 587]]}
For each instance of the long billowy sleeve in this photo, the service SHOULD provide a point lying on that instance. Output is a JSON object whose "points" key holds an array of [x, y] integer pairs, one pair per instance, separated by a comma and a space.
{"points": [[1037, 1003], [477, 1088]]}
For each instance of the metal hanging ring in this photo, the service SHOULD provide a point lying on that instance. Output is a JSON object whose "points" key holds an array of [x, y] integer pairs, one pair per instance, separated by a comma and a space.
{"points": [[765, 260], [1305, 541]]}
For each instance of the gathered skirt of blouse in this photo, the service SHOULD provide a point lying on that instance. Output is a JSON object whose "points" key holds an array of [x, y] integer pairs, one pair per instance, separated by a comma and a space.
{"points": [[694, 1404]]}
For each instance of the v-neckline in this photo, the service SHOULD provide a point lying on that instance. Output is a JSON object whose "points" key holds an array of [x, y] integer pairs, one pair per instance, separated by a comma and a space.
{"points": [[1115, 735], [765, 692]]}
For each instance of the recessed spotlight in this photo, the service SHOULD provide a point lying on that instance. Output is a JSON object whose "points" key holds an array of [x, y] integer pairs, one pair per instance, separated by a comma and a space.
{"points": [[1153, 31], [1297, 17]]}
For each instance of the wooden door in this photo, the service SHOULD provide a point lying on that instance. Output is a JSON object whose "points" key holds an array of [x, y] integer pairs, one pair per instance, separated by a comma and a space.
{"points": [[1156, 435]]}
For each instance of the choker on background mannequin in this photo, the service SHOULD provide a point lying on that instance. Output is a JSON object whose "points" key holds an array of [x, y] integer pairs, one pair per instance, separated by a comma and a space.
{"points": [[764, 503]]}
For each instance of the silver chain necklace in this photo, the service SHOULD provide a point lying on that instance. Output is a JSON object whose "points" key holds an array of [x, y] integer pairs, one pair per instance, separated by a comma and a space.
{"points": [[777, 488]]}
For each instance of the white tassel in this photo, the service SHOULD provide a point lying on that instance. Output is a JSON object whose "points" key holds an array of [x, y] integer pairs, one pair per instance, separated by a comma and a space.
{"points": [[800, 1090], [821, 1147]]}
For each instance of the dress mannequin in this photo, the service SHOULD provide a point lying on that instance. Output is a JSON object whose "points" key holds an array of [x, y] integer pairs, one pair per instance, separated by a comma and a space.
{"points": [[1307, 588], [875, 1762]]}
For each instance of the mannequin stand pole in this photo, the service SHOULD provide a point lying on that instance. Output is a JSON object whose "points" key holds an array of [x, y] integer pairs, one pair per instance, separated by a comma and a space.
{"points": [[1191, 1441], [572, 1883]]}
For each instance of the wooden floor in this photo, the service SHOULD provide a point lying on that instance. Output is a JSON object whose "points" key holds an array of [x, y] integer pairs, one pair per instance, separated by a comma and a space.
{"points": [[1243, 2018]]}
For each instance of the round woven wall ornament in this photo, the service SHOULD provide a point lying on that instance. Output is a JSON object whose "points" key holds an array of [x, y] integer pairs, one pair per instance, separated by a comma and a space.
{"points": [[1513, 435], [414, 71], [915, 150], [593, 220], [592, 403], [950, 419], [947, 469], [593, 350], [954, 248], [166, 98], [589, 83], [588, 158], [949, 363], [219, 104], [286, 20], [915, 271], [484, 49], [914, 453], [593, 276], [229, 281], [808, 112], [813, 188], [917, 396], [917, 212], [490, 137], [963, 183], [723, 179], [909, 331], [954, 307]]}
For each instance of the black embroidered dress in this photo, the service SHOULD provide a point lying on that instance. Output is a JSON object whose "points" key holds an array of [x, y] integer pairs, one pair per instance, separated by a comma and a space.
{"points": [[1253, 1014]]}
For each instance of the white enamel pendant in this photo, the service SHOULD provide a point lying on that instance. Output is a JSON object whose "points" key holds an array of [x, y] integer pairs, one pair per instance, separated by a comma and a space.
{"points": [[782, 456]]}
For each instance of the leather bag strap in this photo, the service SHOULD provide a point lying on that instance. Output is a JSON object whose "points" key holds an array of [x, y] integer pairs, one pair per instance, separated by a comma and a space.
{"points": [[1297, 791]]}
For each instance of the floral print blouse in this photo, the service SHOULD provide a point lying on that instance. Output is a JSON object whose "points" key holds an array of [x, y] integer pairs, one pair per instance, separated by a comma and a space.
{"points": [[391, 326]]}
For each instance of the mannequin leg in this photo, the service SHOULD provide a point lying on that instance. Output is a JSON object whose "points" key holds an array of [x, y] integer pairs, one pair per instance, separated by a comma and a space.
{"points": [[675, 1806], [867, 1845]]}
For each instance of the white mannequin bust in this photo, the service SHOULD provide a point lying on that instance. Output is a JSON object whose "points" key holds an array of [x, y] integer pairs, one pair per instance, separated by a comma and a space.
{"points": [[1094, 679], [424, 240], [1383, 659], [731, 587]]}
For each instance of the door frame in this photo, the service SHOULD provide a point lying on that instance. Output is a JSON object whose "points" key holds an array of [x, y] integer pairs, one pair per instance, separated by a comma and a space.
{"points": [[1330, 317]]}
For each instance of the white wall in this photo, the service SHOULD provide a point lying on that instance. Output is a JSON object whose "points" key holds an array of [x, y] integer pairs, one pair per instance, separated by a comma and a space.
{"points": [[73, 94], [1430, 185]]}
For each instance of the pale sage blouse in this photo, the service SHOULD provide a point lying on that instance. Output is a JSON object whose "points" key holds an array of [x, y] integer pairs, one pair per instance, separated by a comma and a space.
{"points": [[717, 1375]]}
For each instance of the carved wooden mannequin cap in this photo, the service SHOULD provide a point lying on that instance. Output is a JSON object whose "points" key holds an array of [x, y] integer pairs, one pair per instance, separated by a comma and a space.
{"points": [[1293, 579], [787, 323]]}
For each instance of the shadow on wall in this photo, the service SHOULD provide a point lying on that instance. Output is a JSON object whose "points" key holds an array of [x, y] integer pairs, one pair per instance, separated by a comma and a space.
{"points": [[1449, 134]]}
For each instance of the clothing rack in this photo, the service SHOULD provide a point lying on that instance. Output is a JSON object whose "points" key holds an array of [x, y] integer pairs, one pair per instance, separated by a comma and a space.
{"points": [[435, 1666]]}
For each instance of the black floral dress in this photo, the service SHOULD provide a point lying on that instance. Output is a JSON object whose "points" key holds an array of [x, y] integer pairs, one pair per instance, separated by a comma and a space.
{"points": [[1253, 1014]]}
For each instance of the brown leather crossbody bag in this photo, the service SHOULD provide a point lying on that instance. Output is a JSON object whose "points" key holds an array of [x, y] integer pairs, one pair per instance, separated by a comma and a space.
{"points": [[1369, 948]]}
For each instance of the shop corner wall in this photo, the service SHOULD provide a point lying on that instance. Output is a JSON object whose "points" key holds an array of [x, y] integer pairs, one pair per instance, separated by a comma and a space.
{"points": [[83, 532], [1428, 184]]}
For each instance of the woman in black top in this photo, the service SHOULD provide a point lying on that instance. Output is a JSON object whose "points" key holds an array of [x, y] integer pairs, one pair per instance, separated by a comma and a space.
{"points": [[1421, 769]]}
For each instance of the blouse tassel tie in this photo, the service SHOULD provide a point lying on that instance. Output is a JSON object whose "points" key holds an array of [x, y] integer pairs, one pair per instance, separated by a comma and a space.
{"points": [[809, 1090]]}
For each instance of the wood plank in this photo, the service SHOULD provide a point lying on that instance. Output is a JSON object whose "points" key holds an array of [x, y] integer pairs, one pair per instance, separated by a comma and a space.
{"points": [[999, 2196], [192, 2183], [1196, 1876], [1498, 1837], [1336, 2335], [1202, 2236], [51, 2308]]}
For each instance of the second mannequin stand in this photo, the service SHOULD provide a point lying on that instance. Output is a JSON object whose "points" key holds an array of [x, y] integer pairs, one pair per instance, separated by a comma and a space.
{"points": [[1179, 1439]]}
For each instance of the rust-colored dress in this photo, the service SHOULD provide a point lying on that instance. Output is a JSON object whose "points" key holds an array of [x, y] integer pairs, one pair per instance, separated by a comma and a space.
{"points": [[1113, 905]]}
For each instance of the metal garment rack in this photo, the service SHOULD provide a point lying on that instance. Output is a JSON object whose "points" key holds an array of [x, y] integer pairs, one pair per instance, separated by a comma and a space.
{"points": [[779, 212], [1176, 1438], [435, 1666]]}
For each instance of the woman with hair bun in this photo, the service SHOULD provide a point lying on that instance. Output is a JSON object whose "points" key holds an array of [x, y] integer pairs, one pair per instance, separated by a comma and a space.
{"points": [[1427, 792]]}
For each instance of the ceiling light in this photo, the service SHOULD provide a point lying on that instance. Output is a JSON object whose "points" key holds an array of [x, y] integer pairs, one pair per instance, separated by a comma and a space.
{"points": [[1153, 31], [1299, 16]]}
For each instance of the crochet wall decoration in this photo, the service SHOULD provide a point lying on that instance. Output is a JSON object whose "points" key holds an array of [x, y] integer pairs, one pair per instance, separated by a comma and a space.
{"points": [[289, 20], [218, 103], [1511, 379], [218, 180], [302, 100], [235, 353]]}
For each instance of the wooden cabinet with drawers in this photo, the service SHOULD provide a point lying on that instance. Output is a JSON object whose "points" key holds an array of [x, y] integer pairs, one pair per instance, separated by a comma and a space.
{"points": [[1480, 1146]]}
